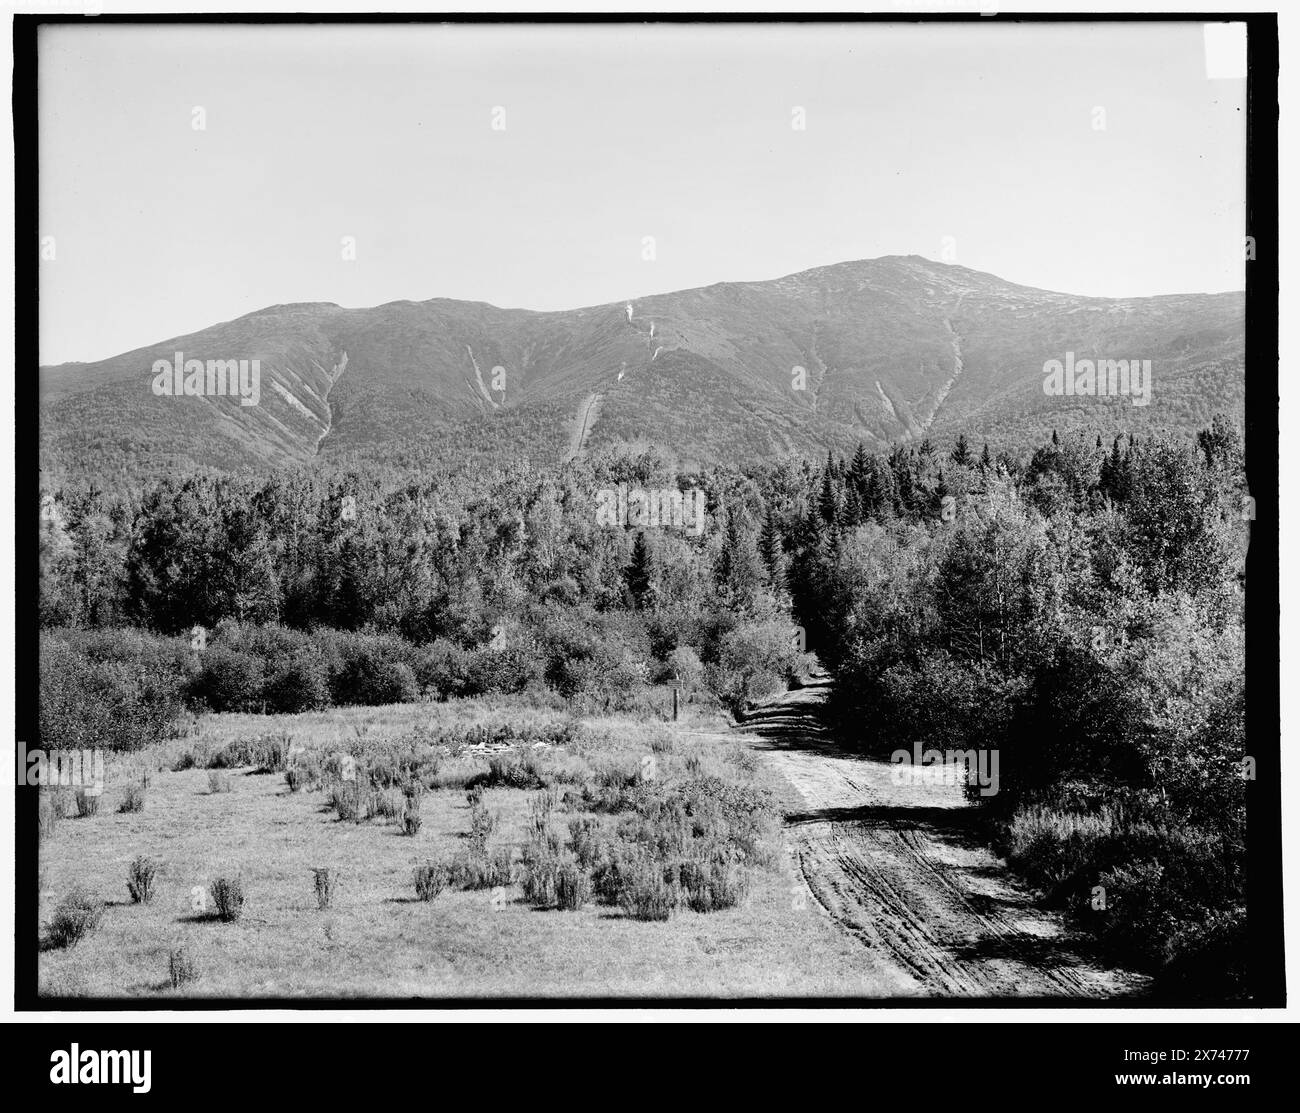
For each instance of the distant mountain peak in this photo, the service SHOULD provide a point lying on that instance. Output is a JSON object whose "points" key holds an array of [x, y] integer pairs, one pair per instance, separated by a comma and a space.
{"points": [[882, 351]]}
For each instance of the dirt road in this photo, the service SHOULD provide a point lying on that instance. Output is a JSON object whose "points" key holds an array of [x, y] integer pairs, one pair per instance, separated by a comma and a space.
{"points": [[901, 868]]}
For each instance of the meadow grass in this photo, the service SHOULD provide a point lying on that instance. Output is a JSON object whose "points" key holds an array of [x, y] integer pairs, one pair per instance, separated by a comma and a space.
{"points": [[481, 936]]}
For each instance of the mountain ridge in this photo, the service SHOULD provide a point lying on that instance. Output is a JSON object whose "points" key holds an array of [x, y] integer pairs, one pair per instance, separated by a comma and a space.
{"points": [[886, 351]]}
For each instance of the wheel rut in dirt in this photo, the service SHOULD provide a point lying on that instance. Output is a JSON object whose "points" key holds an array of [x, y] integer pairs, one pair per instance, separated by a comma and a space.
{"points": [[904, 869]]}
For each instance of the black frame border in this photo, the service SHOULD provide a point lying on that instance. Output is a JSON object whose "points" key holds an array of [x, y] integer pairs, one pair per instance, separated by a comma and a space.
{"points": [[1263, 719]]}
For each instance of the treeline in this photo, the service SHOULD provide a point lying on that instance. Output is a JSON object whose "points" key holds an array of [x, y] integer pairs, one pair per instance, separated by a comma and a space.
{"points": [[372, 586]]}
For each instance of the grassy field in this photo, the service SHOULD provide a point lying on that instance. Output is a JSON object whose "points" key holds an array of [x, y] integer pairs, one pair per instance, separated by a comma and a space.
{"points": [[376, 938]]}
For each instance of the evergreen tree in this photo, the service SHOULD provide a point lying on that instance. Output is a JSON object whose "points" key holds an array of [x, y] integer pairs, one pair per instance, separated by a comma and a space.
{"points": [[739, 569], [860, 471], [773, 552], [882, 492], [961, 451], [827, 502], [852, 508], [1114, 481], [639, 575]]}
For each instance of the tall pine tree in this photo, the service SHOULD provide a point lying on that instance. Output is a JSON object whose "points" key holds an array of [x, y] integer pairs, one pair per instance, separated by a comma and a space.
{"points": [[961, 451], [639, 575], [773, 552]]}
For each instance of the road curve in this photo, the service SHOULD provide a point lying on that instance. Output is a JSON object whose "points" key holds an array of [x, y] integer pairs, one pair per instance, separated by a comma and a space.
{"points": [[901, 868]]}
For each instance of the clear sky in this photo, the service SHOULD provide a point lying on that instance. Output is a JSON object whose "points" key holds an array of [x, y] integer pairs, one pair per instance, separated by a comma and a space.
{"points": [[983, 133]]}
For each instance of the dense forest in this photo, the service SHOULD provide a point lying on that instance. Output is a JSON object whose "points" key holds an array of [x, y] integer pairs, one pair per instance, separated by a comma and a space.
{"points": [[1078, 609]]}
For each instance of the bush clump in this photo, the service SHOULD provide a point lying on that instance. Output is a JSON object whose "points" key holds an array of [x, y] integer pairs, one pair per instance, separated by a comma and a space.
{"points": [[297, 681], [713, 885], [572, 886], [181, 968], [370, 669], [228, 896], [478, 868], [140, 878], [644, 893], [77, 915], [228, 680], [539, 875], [133, 798], [430, 880], [113, 690], [347, 800]]}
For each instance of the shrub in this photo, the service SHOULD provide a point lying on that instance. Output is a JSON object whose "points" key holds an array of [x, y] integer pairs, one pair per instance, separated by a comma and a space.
{"points": [[139, 879], [228, 680], [481, 824], [370, 670], [586, 841], [540, 806], [644, 894], [477, 868], [407, 763], [411, 819], [87, 803], [501, 867], [685, 668], [267, 753], [77, 915], [181, 968], [303, 775], [196, 757], [607, 878], [218, 781], [112, 691], [430, 880], [133, 799], [325, 882], [594, 659], [442, 668], [572, 886], [947, 703], [346, 800], [297, 681], [270, 752], [522, 769], [753, 661], [713, 885], [228, 896], [540, 875], [509, 669]]}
